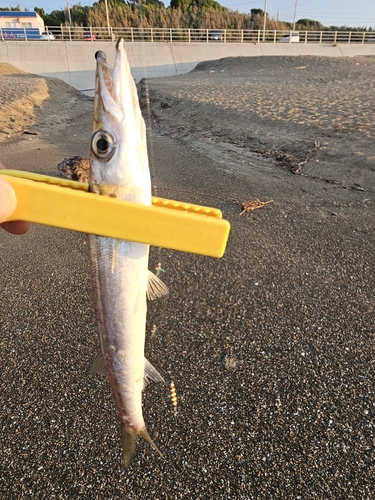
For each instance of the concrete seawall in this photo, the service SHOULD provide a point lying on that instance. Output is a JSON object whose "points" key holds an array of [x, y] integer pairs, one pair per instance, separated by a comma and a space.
{"points": [[74, 62]]}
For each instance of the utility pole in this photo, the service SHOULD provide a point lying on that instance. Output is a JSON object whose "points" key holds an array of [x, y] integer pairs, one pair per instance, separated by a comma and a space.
{"points": [[68, 7], [278, 15], [106, 11], [265, 19], [295, 13]]}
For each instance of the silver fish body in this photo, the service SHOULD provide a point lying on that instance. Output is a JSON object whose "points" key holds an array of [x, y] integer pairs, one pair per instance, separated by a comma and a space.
{"points": [[119, 269]]}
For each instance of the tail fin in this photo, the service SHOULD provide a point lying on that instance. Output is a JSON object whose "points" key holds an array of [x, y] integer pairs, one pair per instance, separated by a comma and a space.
{"points": [[129, 442], [146, 436]]}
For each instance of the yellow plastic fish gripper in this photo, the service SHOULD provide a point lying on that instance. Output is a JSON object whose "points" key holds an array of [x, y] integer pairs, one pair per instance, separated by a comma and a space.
{"points": [[167, 223]]}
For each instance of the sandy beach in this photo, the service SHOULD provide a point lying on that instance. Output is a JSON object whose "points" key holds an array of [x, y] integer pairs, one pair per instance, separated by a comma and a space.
{"points": [[277, 105], [271, 348]]}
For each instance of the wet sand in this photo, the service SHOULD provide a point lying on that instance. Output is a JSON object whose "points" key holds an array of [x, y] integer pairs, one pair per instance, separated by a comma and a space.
{"points": [[271, 348]]}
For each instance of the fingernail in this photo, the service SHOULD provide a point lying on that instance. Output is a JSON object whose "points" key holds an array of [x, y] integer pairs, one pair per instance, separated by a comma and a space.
{"points": [[8, 200]]}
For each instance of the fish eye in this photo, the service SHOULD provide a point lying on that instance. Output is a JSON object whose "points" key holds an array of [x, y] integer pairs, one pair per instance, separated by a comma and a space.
{"points": [[103, 145]]}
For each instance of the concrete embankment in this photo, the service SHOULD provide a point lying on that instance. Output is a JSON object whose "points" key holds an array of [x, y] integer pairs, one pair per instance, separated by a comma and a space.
{"points": [[74, 62]]}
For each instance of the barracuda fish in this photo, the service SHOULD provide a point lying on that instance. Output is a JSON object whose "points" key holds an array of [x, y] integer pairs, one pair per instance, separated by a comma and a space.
{"points": [[119, 168]]}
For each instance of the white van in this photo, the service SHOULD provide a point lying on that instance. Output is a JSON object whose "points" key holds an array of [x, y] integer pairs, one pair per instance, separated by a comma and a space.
{"points": [[292, 38]]}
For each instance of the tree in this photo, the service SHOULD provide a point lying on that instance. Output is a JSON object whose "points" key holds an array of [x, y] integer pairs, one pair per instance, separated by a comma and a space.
{"points": [[256, 13], [309, 24], [55, 18], [40, 11], [80, 15], [16, 9], [157, 3], [187, 5]]}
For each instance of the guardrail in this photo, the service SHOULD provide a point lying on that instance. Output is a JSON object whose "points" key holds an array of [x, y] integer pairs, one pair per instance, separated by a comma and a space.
{"points": [[69, 33]]}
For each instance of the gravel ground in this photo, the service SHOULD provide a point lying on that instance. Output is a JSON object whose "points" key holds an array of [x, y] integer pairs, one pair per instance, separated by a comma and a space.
{"points": [[271, 348]]}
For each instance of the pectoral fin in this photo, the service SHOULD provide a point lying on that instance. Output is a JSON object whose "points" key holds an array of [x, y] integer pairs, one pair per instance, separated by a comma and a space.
{"points": [[155, 287]]}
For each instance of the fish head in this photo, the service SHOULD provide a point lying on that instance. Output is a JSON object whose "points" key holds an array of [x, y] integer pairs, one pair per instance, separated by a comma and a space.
{"points": [[118, 160]]}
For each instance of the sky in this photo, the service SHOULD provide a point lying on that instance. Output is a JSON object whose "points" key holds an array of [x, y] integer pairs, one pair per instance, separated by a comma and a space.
{"points": [[329, 12]]}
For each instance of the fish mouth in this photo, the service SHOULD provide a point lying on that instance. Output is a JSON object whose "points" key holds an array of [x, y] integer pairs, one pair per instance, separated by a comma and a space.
{"points": [[103, 72], [108, 87], [112, 101], [100, 55]]}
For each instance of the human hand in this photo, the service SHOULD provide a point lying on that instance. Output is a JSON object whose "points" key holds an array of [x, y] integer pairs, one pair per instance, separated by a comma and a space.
{"points": [[8, 204]]}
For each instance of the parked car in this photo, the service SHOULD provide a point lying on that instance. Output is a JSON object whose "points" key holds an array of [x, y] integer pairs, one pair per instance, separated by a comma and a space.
{"points": [[292, 38], [47, 36], [87, 35], [370, 39], [216, 35]]}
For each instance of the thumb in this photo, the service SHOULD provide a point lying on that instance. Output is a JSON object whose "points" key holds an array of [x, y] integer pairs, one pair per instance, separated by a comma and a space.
{"points": [[8, 200]]}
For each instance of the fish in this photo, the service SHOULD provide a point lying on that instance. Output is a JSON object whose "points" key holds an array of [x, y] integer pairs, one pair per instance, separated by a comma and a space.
{"points": [[119, 268]]}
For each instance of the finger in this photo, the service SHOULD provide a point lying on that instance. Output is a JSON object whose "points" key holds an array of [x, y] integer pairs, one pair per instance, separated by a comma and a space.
{"points": [[16, 226], [8, 203], [8, 200]]}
